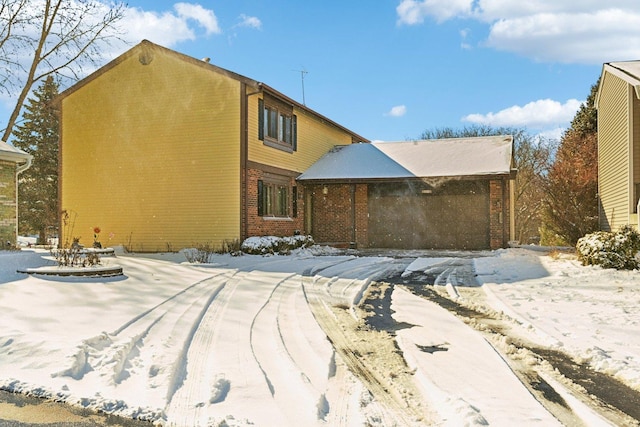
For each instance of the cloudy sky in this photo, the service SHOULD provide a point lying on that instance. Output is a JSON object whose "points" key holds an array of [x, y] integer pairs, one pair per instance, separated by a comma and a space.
{"points": [[391, 69]]}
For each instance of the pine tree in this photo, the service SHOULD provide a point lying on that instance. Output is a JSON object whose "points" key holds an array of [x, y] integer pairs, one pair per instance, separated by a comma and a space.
{"points": [[571, 205], [38, 185]]}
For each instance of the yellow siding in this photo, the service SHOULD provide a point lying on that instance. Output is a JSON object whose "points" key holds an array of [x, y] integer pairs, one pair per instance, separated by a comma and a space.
{"points": [[151, 154], [315, 139], [613, 152]]}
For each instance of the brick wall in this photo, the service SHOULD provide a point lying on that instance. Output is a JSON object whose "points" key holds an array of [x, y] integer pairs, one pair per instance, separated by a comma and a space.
{"points": [[333, 214], [499, 213], [7, 203], [269, 226]]}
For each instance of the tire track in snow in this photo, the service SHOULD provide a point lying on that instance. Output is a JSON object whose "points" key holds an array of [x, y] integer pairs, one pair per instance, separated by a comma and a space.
{"points": [[397, 394], [197, 388], [145, 352], [291, 357]]}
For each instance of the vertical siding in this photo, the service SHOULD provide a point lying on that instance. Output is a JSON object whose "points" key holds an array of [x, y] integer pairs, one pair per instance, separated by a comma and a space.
{"points": [[613, 152], [636, 144], [150, 153], [315, 139]]}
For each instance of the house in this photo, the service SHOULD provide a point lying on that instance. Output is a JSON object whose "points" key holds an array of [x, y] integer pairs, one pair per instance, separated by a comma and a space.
{"points": [[618, 105], [12, 162], [442, 194], [162, 151]]}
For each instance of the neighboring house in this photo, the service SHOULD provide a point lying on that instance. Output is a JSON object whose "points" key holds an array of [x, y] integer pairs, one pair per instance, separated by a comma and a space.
{"points": [[164, 151], [618, 104], [12, 162], [443, 194]]}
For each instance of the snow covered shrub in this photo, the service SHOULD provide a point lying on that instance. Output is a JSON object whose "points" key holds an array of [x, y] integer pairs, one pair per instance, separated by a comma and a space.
{"points": [[617, 250], [267, 245]]}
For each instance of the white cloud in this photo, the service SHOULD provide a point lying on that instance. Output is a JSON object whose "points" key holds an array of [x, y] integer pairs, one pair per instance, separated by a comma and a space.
{"points": [[539, 114], [170, 27], [397, 111], [249, 21], [586, 31], [204, 17], [411, 12]]}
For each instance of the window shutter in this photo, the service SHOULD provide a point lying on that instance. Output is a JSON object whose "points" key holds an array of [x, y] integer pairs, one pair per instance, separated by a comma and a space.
{"points": [[294, 130], [260, 119], [260, 199]]}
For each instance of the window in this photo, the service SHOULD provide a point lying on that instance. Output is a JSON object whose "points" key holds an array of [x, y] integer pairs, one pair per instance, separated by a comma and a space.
{"points": [[277, 125], [273, 198]]}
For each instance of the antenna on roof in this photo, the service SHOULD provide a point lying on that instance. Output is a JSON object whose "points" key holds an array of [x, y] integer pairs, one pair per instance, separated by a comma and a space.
{"points": [[302, 73]]}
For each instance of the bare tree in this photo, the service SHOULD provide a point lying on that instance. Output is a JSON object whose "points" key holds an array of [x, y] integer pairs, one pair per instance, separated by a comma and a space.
{"points": [[39, 38], [532, 157]]}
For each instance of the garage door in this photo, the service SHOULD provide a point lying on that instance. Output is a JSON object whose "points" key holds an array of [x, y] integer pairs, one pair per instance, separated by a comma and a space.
{"points": [[454, 215]]}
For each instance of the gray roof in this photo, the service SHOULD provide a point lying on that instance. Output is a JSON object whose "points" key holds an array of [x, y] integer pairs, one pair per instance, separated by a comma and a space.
{"points": [[452, 157], [11, 153]]}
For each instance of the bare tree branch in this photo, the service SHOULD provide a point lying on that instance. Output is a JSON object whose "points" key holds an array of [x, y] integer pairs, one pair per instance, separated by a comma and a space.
{"points": [[63, 36]]}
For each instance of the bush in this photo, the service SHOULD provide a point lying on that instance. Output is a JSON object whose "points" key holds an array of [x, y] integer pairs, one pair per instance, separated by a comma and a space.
{"points": [[268, 245], [617, 250], [200, 254]]}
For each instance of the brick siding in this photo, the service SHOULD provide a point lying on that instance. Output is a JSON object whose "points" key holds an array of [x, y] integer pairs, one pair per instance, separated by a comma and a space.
{"points": [[270, 226], [499, 214]]}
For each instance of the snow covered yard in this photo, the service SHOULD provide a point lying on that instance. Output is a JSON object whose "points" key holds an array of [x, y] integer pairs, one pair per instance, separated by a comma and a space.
{"points": [[280, 340]]}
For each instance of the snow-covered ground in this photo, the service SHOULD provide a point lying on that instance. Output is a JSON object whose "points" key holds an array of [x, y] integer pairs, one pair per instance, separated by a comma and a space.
{"points": [[281, 341]]}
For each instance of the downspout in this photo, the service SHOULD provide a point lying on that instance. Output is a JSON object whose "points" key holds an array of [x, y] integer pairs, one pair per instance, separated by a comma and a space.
{"points": [[19, 170]]}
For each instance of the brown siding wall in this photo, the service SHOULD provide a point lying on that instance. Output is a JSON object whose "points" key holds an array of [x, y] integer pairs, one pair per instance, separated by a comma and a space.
{"points": [[8, 218]]}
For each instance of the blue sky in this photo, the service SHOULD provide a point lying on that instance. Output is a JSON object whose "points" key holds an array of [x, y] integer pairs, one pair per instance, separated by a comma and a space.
{"points": [[389, 69]]}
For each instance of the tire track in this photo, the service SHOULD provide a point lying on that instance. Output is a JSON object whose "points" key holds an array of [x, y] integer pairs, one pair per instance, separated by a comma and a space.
{"points": [[601, 393], [197, 387], [393, 390]]}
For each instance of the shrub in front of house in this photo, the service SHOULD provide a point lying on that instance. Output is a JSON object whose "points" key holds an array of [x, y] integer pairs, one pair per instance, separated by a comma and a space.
{"points": [[617, 250], [269, 245]]}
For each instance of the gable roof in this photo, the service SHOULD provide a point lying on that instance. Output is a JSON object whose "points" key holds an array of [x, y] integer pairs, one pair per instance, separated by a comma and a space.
{"points": [[145, 46], [11, 153], [628, 71], [442, 158]]}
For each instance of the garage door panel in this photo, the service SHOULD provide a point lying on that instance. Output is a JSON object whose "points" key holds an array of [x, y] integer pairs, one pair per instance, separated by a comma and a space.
{"points": [[423, 220]]}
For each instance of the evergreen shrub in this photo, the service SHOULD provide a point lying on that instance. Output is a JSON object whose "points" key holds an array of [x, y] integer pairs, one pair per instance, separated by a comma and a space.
{"points": [[617, 250]]}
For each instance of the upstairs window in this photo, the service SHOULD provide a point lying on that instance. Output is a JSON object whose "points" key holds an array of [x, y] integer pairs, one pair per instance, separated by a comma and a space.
{"points": [[277, 125]]}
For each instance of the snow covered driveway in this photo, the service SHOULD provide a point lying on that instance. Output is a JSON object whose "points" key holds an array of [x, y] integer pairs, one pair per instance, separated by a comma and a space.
{"points": [[286, 340]]}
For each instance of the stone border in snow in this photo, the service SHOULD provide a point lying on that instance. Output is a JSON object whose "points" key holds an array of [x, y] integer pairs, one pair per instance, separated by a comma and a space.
{"points": [[95, 271]]}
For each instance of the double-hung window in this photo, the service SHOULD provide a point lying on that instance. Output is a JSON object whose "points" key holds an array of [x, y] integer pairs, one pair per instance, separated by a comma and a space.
{"points": [[277, 125]]}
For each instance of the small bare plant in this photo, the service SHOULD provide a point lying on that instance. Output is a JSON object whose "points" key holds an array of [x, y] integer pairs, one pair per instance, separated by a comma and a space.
{"points": [[233, 247], [200, 254]]}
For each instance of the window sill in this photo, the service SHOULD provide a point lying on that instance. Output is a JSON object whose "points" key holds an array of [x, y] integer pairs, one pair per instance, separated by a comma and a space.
{"points": [[277, 218], [278, 145]]}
